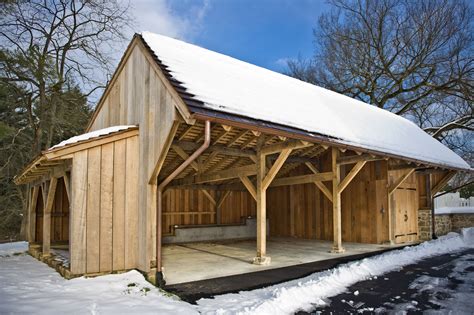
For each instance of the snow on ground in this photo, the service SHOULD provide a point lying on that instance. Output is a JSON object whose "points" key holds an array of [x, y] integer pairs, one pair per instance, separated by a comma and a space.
{"points": [[311, 291], [28, 286], [455, 210]]}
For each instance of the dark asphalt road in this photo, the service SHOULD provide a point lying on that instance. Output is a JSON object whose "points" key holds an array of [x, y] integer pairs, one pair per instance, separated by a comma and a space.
{"points": [[442, 284]]}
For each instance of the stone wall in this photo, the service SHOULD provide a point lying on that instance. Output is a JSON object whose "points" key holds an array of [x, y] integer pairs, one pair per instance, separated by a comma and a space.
{"points": [[443, 224], [424, 224], [460, 221], [446, 223]]}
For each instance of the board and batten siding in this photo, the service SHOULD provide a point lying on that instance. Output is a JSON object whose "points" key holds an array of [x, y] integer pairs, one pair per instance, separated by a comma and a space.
{"points": [[192, 207], [138, 96], [303, 211], [104, 216]]}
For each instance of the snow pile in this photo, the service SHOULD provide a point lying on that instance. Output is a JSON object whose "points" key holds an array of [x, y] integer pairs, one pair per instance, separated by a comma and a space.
{"points": [[92, 134], [28, 286], [306, 293], [232, 86], [455, 210], [9, 249]]}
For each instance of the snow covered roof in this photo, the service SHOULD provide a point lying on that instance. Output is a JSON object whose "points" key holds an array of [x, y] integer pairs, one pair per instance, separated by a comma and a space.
{"points": [[91, 135], [40, 166], [231, 86]]}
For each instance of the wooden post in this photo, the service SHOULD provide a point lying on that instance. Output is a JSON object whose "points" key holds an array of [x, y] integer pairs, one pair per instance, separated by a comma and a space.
{"points": [[32, 215], [429, 204], [261, 258], [47, 216], [336, 204]]}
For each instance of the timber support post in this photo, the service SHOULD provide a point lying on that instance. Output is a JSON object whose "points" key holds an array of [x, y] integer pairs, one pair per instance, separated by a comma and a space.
{"points": [[336, 203], [47, 216], [264, 179], [261, 258], [32, 214]]}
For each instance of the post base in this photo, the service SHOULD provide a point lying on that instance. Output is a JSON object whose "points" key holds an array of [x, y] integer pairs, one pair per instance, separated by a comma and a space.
{"points": [[159, 279], [263, 261], [337, 250]]}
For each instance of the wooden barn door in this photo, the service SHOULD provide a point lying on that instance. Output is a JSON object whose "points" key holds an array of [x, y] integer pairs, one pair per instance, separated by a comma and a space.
{"points": [[405, 205]]}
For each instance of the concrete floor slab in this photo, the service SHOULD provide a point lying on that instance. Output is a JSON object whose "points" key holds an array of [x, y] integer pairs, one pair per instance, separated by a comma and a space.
{"points": [[199, 261]]}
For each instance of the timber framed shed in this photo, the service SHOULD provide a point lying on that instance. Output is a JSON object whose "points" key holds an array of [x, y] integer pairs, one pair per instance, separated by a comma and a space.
{"points": [[196, 165]]}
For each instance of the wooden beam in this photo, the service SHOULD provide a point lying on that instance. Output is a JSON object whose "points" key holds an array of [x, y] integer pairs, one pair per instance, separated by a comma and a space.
{"points": [[186, 145], [222, 198], [442, 182], [291, 144], [182, 154], [336, 203], [343, 160], [67, 186], [185, 132], [209, 196], [246, 170], [224, 133], [249, 185], [319, 184], [32, 214], [236, 138], [47, 216], [399, 181], [276, 167], [302, 179], [349, 177]]}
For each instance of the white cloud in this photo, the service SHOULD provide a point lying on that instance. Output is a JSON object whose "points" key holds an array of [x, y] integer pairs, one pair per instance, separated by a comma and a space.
{"points": [[158, 16]]}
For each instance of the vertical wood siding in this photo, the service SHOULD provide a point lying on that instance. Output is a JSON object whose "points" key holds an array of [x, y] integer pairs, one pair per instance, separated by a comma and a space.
{"points": [[139, 97], [105, 208]]}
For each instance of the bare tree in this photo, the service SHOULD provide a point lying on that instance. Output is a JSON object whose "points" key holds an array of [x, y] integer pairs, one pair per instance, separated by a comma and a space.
{"points": [[413, 58], [53, 55], [46, 44]]}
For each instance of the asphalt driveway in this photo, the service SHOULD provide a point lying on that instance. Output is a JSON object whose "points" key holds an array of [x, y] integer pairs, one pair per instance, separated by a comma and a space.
{"points": [[442, 284]]}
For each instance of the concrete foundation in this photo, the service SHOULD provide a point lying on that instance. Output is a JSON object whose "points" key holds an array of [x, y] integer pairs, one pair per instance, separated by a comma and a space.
{"points": [[188, 234], [198, 261]]}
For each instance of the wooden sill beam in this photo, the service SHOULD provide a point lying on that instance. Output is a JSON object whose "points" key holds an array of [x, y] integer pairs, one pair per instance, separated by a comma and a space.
{"points": [[349, 177]]}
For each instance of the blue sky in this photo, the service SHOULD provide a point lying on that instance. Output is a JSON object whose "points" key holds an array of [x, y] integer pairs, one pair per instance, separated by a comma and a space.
{"points": [[262, 32]]}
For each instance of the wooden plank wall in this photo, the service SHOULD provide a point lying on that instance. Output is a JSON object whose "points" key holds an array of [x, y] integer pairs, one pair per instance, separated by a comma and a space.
{"points": [[139, 97], [104, 226], [177, 203], [303, 211]]}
